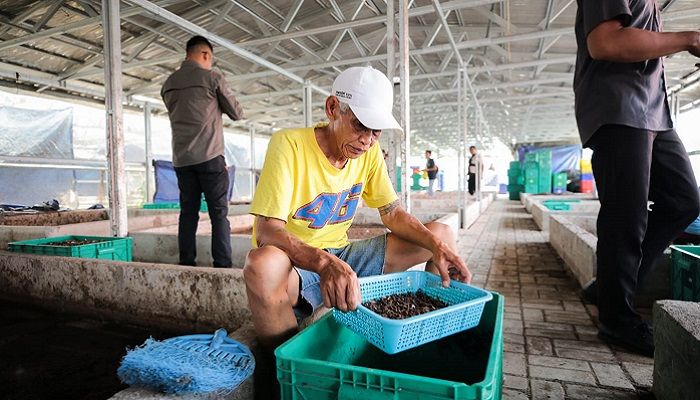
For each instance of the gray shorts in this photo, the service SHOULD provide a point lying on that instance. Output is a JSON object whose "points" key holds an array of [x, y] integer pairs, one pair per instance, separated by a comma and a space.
{"points": [[365, 257]]}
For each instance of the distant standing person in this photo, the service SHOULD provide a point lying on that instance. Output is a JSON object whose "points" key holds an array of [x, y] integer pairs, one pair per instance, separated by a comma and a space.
{"points": [[474, 163], [431, 169], [623, 115], [196, 97]]}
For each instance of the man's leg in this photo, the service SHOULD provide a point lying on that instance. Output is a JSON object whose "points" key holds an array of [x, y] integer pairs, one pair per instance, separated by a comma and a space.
{"points": [[213, 178], [472, 183], [402, 255], [622, 167], [190, 193], [431, 187], [273, 289], [673, 190]]}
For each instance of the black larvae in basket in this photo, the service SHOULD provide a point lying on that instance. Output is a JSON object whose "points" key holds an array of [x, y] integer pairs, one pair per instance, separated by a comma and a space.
{"points": [[401, 306]]}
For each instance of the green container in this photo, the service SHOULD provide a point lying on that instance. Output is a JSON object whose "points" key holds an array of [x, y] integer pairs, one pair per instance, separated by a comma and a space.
{"points": [[173, 205], [514, 195], [562, 201], [559, 179], [514, 173], [162, 206], [557, 206], [685, 273], [109, 248], [531, 156], [544, 156], [514, 165], [328, 361], [532, 188]]}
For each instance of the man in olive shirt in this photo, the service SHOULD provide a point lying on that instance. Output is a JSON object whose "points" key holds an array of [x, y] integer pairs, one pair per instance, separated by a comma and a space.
{"points": [[196, 97], [623, 115]]}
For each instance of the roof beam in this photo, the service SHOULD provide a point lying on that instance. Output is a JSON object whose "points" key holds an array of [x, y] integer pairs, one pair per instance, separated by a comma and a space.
{"points": [[414, 12], [59, 30], [167, 15]]}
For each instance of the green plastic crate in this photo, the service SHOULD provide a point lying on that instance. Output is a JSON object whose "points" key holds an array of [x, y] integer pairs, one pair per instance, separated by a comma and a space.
{"points": [[514, 165], [109, 248], [513, 195], [328, 361], [558, 206], [172, 205], [685, 272], [559, 201], [531, 188], [514, 173]]}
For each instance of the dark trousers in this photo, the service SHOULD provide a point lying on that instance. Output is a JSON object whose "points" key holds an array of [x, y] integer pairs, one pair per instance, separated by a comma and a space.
{"points": [[630, 167], [472, 183], [210, 178]]}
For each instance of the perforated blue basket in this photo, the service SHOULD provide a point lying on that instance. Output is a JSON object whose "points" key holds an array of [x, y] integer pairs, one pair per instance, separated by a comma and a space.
{"points": [[466, 304]]}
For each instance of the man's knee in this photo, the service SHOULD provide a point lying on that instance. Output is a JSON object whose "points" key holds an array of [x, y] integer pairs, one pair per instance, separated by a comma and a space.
{"points": [[265, 269], [442, 231]]}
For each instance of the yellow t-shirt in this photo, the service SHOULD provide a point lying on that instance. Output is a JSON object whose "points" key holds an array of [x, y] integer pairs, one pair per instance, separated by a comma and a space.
{"points": [[299, 185]]}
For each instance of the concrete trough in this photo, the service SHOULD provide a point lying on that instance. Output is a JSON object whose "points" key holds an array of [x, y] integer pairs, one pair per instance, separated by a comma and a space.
{"points": [[159, 245], [677, 350], [575, 239], [540, 213], [137, 220], [528, 199], [168, 296]]}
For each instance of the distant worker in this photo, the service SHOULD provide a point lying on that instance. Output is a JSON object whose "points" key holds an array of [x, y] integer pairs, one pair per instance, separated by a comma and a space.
{"points": [[474, 163], [623, 115], [431, 169], [196, 97]]}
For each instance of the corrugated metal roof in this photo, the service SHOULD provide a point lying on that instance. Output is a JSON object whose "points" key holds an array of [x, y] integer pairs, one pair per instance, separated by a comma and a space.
{"points": [[523, 85]]}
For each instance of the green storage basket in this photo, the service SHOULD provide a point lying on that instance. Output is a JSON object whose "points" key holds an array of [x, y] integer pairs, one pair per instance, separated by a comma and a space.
{"points": [[109, 248], [685, 273], [328, 361], [173, 205]]}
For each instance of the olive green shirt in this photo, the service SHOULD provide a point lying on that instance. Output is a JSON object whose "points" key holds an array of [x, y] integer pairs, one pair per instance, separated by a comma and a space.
{"points": [[196, 98]]}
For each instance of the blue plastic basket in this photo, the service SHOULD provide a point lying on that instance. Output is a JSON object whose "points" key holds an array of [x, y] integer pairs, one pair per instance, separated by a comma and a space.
{"points": [[466, 304]]}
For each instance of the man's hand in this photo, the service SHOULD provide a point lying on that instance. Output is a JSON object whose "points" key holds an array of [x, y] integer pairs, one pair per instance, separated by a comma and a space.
{"points": [[339, 285], [450, 265], [695, 45]]}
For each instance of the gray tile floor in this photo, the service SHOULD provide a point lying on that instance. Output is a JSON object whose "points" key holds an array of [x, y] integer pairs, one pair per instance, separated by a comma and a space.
{"points": [[551, 347]]}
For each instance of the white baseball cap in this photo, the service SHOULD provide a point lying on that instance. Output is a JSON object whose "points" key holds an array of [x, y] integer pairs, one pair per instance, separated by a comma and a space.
{"points": [[370, 95]]}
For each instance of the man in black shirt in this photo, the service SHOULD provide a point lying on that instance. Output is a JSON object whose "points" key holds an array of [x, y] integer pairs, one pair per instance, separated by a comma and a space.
{"points": [[431, 169], [623, 115]]}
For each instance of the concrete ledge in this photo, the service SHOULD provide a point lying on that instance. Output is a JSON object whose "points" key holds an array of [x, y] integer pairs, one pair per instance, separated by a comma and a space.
{"points": [[540, 213], [168, 296], [677, 355], [155, 247], [528, 199], [137, 221], [572, 238]]}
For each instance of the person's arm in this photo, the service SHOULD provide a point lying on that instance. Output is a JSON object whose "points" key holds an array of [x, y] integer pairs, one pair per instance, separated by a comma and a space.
{"points": [[227, 101], [407, 227], [612, 41], [339, 285]]}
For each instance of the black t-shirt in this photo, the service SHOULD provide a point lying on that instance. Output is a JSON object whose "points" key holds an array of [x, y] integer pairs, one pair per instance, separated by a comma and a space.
{"points": [[612, 93], [431, 164]]}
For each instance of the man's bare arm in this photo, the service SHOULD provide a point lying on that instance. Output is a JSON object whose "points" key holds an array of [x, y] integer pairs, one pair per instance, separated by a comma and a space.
{"points": [[611, 41]]}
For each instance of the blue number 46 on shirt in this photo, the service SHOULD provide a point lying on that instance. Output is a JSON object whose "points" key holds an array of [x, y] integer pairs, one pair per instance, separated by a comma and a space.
{"points": [[330, 208]]}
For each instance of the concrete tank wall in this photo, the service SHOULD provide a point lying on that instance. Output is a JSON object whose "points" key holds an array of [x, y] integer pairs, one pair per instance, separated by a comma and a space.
{"points": [[168, 296]]}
